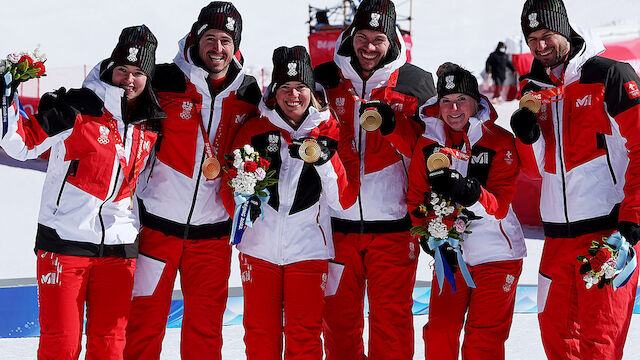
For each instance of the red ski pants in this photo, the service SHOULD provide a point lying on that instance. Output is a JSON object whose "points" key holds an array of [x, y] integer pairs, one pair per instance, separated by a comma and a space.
{"points": [[488, 309], [269, 290], [204, 271], [576, 322], [65, 284], [386, 265]]}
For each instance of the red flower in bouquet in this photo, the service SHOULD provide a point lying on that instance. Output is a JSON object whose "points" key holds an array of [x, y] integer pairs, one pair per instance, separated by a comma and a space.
{"points": [[23, 66], [39, 65], [250, 166]]}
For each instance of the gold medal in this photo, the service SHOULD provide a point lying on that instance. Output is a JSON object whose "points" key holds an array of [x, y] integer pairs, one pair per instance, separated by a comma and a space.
{"points": [[211, 168], [309, 151], [370, 119], [437, 161], [531, 103]]}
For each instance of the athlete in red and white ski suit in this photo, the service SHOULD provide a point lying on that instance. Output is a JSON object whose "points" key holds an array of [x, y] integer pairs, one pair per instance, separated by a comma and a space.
{"points": [[493, 251], [284, 256], [186, 227], [589, 159], [371, 237], [86, 242]]}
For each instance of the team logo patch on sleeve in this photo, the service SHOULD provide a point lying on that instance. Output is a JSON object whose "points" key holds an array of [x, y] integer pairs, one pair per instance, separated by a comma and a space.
{"points": [[632, 89]]}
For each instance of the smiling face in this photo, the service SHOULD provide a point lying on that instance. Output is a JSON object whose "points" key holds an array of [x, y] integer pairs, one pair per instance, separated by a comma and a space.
{"points": [[370, 47], [293, 98], [216, 49], [131, 78], [548, 47], [456, 109]]}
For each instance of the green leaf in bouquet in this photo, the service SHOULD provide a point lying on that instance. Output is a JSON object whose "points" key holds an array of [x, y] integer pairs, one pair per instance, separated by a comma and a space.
{"points": [[419, 230], [24, 66], [262, 193]]}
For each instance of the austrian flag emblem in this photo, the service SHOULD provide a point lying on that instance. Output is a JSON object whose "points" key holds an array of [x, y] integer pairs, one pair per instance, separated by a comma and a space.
{"points": [[632, 89]]}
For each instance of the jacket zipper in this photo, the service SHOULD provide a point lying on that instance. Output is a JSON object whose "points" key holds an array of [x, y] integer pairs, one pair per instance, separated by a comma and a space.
{"points": [[115, 186], [324, 237], [361, 158], [560, 156], [505, 235], [64, 182], [606, 149], [195, 192]]}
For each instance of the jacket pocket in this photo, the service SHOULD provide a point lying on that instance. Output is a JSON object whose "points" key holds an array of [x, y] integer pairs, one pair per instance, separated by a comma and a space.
{"points": [[544, 283], [147, 275], [505, 236]]}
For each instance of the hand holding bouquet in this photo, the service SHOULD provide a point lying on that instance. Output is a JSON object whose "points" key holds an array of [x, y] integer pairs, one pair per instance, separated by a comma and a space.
{"points": [[20, 67], [445, 223], [249, 177], [611, 261]]}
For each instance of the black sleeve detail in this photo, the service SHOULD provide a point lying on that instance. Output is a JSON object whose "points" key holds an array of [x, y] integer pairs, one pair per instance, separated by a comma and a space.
{"points": [[308, 189], [327, 74], [169, 78], [530, 86], [416, 82], [57, 110], [480, 163], [249, 91], [621, 91]]}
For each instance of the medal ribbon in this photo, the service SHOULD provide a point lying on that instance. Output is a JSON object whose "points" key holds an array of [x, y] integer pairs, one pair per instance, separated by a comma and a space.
{"points": [[241, 218], [208, 149], [443, 268], [458, 154], [129, 177]]}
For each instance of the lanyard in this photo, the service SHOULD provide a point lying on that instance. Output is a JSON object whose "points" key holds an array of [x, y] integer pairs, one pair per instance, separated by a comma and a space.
{"points": [[458, 154], [129, 177]]}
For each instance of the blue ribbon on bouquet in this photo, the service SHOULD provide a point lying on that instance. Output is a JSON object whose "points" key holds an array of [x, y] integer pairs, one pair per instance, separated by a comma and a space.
{"points": [[443, 269], [627, 260], [5, 103], [241, 218]]}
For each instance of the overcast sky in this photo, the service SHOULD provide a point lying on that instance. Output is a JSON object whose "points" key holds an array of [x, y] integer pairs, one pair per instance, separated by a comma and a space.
{"points": [[83, 32]]}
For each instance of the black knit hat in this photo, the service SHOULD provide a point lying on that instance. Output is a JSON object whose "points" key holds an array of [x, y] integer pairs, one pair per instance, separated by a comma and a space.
{"points": [[378, 15], [292, 64], [220, 15], [136, 46], [453, 79], [545, 14]]}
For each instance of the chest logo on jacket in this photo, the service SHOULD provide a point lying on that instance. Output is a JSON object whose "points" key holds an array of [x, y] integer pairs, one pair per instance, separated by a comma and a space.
{"points": [[480, 159], [508, 157], [186, 110], [104, 135], [340, 101], [273, 143], [585, 101], [240, 118]]}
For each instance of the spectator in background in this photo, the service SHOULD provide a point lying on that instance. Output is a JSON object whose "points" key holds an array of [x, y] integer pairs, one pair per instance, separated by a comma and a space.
{"points": [[496, 66]]}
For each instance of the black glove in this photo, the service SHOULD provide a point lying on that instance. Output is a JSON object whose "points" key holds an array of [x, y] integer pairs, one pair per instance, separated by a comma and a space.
{"points": [[446, 250], [254, 208], [630, 231], [524, 124], [386, 112], [450, 184], [325, 153]]}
